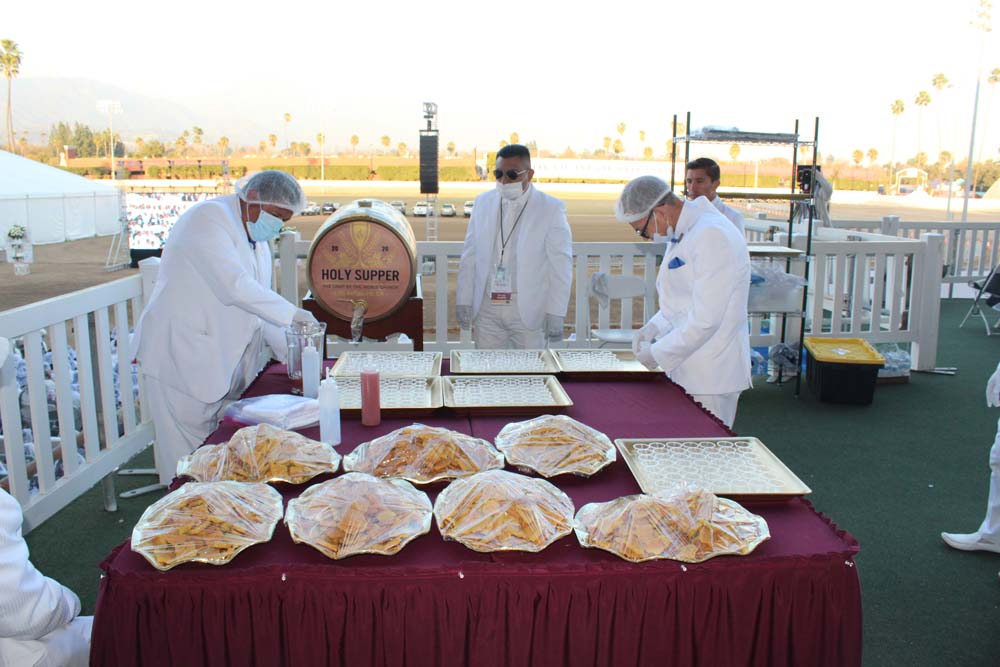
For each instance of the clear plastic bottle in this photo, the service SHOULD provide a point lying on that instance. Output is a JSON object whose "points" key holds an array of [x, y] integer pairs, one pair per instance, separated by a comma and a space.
{"points": [[329, 411]]}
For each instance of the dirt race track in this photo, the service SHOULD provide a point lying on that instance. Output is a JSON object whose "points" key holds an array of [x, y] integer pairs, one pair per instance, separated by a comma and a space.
{"points": [[66, 267]]}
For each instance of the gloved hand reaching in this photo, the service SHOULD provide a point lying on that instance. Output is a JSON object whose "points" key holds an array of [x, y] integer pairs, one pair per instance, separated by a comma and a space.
{"points": [[554, 328], [993, 389], [645, 355], [464, 316], [303, 317], [647, 334]]}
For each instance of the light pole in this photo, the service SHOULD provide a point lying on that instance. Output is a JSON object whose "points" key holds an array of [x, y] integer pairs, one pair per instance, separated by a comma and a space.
{"points": [[110, 107], [983, 23]]}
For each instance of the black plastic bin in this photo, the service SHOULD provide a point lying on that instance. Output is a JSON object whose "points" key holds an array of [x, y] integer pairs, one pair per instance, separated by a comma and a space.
{"points": [[842, 370]]}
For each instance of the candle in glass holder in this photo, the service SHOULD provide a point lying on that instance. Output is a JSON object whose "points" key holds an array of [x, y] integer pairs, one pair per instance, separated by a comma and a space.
{"points": [[371, 414]]}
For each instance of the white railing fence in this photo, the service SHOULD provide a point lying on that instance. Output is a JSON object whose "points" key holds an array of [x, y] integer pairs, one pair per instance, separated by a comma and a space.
{"points": [[857, 273], [78, 415]]}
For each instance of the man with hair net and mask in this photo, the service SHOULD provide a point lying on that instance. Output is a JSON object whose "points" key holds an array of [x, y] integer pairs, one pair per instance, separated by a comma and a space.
{"points": [[516, 269], [700, 336], [202, 333], [987, 538]]}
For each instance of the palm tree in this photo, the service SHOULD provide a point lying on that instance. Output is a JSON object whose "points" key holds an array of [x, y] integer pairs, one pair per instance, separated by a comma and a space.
{"points": [[897, 108], [647, 153], [922, 100], [139, 143], [401, 149], [10, 59], [940, 82], [262, 146], [451, 148], [288, 119], [386, 141], [857, 155], [181, 145], [607, 144], [872, 157], [354, 143], [223, 146], [515, 138], [198, 134], [273, 140], [618, 142], [618, 147]]}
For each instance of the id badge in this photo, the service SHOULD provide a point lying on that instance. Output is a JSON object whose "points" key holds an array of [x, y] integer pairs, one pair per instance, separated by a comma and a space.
{"points": [[501, 291]]}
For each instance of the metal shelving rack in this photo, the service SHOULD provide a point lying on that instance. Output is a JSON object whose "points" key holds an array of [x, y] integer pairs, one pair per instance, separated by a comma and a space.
{"points": [[800, 204]]}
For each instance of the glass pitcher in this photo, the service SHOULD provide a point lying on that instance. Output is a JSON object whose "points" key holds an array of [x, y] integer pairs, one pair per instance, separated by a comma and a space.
{"points": [[300, 336]]}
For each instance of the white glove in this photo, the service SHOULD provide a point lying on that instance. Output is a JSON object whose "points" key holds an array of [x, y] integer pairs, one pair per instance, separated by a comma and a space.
{"points": [[554, 328], [645, 355], [647, 334], [303, 317], [993, 389], [464, 316]]}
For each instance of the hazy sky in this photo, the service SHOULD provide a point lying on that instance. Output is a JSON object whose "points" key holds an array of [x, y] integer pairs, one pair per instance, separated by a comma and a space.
{"points": [[559, 73]]}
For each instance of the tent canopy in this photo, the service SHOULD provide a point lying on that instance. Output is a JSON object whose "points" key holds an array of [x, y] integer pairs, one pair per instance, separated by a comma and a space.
{"points": [[52, 204]]}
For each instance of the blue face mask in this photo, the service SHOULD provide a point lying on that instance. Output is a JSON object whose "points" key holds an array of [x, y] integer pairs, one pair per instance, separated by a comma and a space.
{"points": [[266, 227]]}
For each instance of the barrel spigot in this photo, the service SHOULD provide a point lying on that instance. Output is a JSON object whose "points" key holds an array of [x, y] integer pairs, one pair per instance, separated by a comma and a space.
{"points": [[360, 307]]}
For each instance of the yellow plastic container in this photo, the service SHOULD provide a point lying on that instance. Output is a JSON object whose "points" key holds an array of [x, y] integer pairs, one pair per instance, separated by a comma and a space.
{"points": [[842, 370]]}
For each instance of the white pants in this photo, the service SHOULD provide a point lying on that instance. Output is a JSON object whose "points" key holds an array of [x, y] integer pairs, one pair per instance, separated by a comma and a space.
{"points": [[990, 528], [501, 328], [68, 646], [722, 406], [182, 423]]}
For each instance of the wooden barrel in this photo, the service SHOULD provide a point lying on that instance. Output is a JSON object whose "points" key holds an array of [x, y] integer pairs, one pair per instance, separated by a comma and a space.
{"points": [[365, 250]]}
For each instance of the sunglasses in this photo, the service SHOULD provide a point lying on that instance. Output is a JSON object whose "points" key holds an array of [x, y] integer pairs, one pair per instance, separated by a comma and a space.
{"points": [[641, 233], [511, 174]]}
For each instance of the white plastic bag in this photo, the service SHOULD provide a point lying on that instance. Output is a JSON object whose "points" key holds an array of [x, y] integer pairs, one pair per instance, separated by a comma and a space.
{"points": [[281, 410]]}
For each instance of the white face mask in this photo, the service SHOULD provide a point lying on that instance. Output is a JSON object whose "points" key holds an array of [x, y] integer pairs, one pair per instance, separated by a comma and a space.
{"points": [[510, 191], [660, 238]]}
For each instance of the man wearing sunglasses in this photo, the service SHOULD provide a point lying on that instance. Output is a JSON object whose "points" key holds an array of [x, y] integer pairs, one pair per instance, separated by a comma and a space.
{"points": [[517, 262], [700, 336]]}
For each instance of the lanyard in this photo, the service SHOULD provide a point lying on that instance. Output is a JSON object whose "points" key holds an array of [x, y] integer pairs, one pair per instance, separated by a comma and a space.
{"points": [[505, 241]]}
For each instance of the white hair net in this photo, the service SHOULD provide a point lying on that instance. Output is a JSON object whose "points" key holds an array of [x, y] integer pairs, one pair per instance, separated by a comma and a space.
{"points": [[274, 188], [639, 197]]}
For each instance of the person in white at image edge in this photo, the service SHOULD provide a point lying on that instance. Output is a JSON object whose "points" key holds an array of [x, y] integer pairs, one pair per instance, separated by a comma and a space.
{"points": [[516, 269], [987, 538], [702, 179], [212, 308], [699, 338], [40, 625]]}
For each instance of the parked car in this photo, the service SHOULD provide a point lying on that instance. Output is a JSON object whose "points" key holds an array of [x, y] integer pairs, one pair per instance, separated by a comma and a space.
{"points": [[467, 209], [312, 209], [421, 209], [330, 206], [399, 206], [448, 211]]}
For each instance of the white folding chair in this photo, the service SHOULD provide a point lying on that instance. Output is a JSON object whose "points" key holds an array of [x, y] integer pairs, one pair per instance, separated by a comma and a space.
{"points": [[605, 288], [987, 295]]}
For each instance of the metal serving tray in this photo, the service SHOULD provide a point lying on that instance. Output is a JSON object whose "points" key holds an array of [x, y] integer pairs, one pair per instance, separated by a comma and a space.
{"points": [[399, 396], [389, 364], [505, 362], [602, 364], [733, 467], [505, 394]]}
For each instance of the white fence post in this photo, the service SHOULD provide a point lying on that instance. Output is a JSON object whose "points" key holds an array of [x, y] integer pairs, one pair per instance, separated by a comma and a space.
{"points": [[890, 225], [148, 268], [288, 278], [927, 299]]}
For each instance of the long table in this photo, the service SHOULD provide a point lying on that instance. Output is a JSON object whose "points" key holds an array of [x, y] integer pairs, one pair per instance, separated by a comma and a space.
{"points": [[796, 600]]}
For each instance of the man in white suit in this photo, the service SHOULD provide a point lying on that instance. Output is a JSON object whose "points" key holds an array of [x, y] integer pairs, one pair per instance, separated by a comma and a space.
{"points": [[702, 179], [700, 336], [40, 622], [200, 337], [516, 269]]}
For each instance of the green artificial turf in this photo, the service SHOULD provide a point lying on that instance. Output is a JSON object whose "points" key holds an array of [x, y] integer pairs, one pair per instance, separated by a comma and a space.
{"points": [[894, 474]]}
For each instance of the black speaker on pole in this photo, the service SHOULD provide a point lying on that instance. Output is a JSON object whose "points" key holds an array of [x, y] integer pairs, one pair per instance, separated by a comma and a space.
{"points": [[429, 163]]}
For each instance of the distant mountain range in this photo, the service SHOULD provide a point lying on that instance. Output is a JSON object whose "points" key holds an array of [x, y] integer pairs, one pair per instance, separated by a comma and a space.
{"points": [[38, 103]]}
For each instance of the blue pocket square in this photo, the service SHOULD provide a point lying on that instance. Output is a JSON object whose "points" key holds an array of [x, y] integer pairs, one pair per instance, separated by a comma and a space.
{"points": [[676, 263]]}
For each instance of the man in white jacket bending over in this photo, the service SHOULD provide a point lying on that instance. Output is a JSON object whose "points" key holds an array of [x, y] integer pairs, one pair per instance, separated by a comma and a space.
{"points": [[40, 625], [700, 336], [517, 262], [199, 340]]}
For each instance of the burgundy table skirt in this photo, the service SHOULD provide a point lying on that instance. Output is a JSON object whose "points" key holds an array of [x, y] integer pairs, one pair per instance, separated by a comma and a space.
{"points": [[795, 601]]}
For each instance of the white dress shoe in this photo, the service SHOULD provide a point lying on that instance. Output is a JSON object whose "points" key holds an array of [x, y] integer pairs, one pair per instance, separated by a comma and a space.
{"points": [[969, 542]]}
